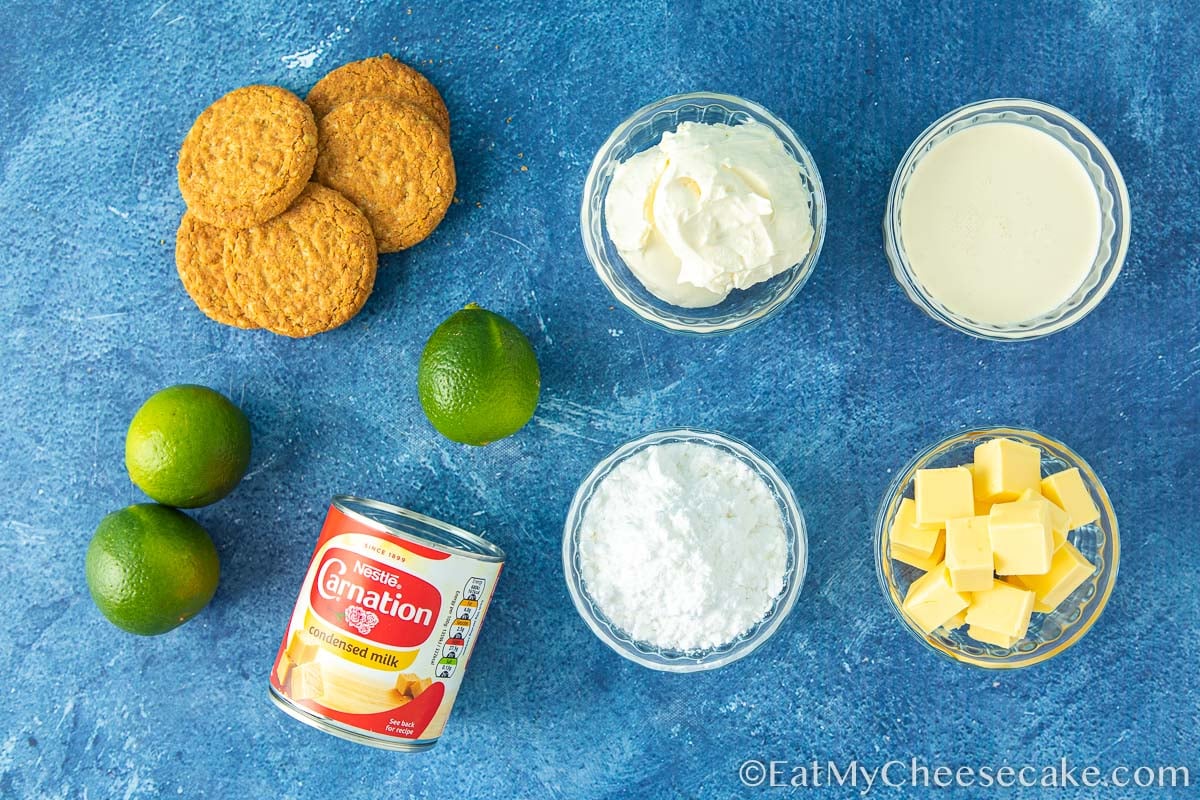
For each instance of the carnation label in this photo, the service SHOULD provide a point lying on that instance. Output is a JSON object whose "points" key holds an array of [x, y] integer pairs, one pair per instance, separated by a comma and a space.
{"points": [[387, 617]]}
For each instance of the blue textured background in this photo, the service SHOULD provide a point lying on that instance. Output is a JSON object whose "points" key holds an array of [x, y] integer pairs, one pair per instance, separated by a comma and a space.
{"points": [[839, 389]]}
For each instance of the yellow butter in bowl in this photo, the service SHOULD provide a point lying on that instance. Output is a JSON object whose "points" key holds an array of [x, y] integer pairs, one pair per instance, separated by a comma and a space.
{"points": [[1068, 571], [920, 547], [991, 637], [1003, 608], [942, 495], [1067, 491], [1022, 537], [1005, 468], [969, 554], [931, 600], [1060, 522]]}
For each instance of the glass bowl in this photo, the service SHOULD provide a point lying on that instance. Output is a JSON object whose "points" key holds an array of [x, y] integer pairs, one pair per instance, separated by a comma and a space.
{"points": [[1110, 191], [645, 653], [1049, 634], [642, 131]]}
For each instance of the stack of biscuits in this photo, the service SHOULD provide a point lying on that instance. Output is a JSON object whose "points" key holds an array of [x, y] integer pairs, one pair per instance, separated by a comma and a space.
{"points": [[289, 201]]}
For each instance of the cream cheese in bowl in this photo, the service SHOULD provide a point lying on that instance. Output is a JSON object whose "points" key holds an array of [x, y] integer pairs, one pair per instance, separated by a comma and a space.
{"points": [[707, 232], [710, 209]]}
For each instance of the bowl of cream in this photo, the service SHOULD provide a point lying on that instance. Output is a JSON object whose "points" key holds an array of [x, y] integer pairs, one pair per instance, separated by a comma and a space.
{"points": [[703, 213], [1007, 219]]}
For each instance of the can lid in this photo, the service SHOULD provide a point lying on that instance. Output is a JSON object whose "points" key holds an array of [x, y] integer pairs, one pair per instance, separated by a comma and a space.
{"points": [[426, 530]]}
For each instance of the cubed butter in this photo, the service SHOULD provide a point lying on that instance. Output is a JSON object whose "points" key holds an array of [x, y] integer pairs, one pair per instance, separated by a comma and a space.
{"points": [[923, 548], [982, 504], [932, 602], [991, 637], [969, 554], [1004, 608], [957, 621], [943, 494], [1022, 537], [925, 563], [1066, 490], [1059, 523], [1068, 571], [905, 532], [974, 482], [1004, 468]]}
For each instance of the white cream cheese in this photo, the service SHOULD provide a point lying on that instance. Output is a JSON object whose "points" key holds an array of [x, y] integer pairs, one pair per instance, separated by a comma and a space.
{"points": [[710, 209]]}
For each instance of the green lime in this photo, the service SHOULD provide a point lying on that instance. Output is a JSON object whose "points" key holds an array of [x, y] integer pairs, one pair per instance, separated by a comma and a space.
{"points": [[187, 446], [478, 380], [151, 568]]}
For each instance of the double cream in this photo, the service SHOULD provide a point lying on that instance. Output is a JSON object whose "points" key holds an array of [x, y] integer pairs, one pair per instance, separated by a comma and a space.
{"points": [[710, 209], [1001, 222]]}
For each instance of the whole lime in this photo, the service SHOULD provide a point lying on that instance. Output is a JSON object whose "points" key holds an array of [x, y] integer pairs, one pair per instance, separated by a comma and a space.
{"points": [[478, 380], [187, 446], [151, 568]]}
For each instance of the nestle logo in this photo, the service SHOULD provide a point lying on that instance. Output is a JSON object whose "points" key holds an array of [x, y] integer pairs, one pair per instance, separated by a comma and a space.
{"points": [[377, 574]]}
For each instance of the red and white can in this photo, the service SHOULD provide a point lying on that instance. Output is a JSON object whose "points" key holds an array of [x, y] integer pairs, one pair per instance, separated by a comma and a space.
{"points": [[387, 618]]}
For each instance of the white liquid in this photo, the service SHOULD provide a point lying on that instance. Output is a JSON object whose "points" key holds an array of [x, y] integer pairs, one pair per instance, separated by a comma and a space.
{"points": [[1001, 223]]}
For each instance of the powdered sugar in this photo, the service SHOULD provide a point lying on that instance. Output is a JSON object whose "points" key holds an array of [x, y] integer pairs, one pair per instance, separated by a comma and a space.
{"points": [[683, 546]]}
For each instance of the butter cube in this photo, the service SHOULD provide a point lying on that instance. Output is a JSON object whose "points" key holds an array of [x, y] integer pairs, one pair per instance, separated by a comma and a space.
{"points": [[912, 544], [974, 481], [1066, 490], [1004, 468], [924, 563], [1059, 523], [969, 554], [1004, 609], [982, 504], [957, 621], [1022, 538], [943, 494], [1068, 571], [932, 602], [991, 637]]}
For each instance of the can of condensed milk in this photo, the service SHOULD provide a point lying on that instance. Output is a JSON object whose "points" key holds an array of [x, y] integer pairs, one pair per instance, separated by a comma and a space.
{"points": [[387, 617]]}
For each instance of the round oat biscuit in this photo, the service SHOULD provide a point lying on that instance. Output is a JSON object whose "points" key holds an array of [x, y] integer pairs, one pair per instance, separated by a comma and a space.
{"points": [[247, 156], [382, 76], [393, 162], [308, 270], [200, 260]]}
